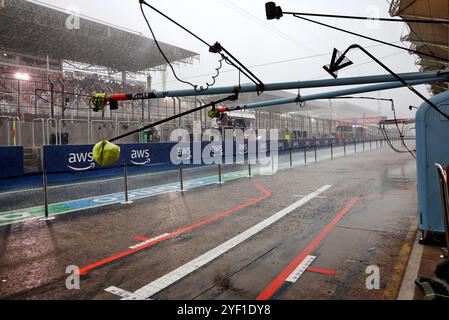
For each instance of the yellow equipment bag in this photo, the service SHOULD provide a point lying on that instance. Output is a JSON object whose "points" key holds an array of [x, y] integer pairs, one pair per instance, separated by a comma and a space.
{"points": [[106, 153]]}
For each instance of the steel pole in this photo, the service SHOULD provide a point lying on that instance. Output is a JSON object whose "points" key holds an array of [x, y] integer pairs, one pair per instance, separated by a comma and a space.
{"points": [[125, 176], [181, 180], [219, 174], [305, 155], [282, 86], [291, 158]]}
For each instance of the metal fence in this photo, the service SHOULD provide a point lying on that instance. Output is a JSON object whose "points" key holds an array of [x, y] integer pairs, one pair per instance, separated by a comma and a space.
{"points": [[34, 113]]}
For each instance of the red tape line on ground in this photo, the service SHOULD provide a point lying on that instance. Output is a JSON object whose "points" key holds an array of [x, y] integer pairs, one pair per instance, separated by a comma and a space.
{"points": [[84, 270], [141, 238], [279, 280], [322, 271]]}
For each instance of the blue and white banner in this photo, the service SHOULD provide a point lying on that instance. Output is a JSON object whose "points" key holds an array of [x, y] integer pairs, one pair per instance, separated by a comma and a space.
{"points": [[68, 158], [80, 158], [11, 162]]}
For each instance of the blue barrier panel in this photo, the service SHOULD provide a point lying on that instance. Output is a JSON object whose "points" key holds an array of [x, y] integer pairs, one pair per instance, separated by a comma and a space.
{"points": [[80, 158], [11, 162], [72, 158], [68, 158]]}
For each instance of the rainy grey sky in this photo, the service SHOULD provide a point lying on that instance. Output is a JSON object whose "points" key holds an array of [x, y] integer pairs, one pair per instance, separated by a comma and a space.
{"points": [[242, 28]]}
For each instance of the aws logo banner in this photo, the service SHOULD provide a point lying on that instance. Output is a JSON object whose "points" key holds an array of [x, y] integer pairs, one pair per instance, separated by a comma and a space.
{"points": [[81, 161], [78, 158], [69, 158], [139, 156]]}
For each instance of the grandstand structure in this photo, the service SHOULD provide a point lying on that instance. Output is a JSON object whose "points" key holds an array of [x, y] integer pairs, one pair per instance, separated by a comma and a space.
{"points": [[432, 39], [49, 71]]}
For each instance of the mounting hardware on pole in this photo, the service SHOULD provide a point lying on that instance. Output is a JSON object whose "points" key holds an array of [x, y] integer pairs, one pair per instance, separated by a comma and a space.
{"points": [[216, 48], [335, 66], [338, 61], [273, 11]]}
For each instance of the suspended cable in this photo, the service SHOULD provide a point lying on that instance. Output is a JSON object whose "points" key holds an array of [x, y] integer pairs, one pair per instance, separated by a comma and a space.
{"points": [[215, 48], [372, 39], [425, 21], [154, 124]]}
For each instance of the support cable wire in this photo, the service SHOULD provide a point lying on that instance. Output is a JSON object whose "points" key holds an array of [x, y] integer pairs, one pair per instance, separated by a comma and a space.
{"points": [[372, 39], [431, 21], [90, 96], [182, 114], [216, 48], [387, 139], [401, 132], [430, 103]]}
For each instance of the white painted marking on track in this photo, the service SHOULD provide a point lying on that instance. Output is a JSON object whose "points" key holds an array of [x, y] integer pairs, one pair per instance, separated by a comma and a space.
{"points": [[301, 196], [117, 291], [170, 278], [148, 241], [300, 269]]}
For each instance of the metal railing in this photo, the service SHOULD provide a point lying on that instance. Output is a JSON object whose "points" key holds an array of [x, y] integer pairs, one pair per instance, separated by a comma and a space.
{"points": [[220, 179], [61, 126], [16, 122], [442, 174], [33, 134], [52, 120]]}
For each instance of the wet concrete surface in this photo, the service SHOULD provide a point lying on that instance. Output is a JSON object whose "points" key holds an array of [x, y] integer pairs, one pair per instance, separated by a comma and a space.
{"points": [[432, 255], [34, 254]]}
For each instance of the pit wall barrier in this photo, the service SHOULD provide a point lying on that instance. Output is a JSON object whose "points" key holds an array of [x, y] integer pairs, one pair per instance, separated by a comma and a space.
{"points": [[72, 160], [77, 158]]}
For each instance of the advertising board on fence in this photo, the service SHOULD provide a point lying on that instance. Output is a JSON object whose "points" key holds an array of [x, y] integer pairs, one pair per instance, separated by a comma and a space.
{"points": [[72, 158], [11, 162]]}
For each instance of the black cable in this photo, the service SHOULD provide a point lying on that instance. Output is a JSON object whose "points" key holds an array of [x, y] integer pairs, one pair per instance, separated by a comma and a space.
{"points": [[90, 96], [430, 103], [401, 133], [162, 52], [257, 81], [433, 21], [60, 105], [387, 139], [372, 39], [159, 122], [216, 48], [142, 2], [390, 143], [275, 62]]}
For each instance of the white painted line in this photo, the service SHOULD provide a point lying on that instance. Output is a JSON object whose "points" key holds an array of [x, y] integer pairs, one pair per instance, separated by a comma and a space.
{"points": [[297, 273], [301, 196], [148, 241], [117, 291], [167, 280], [407, 290]]}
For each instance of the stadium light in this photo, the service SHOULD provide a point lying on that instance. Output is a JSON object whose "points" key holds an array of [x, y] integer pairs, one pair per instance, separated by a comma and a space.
{"points": [[22, 76]]}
